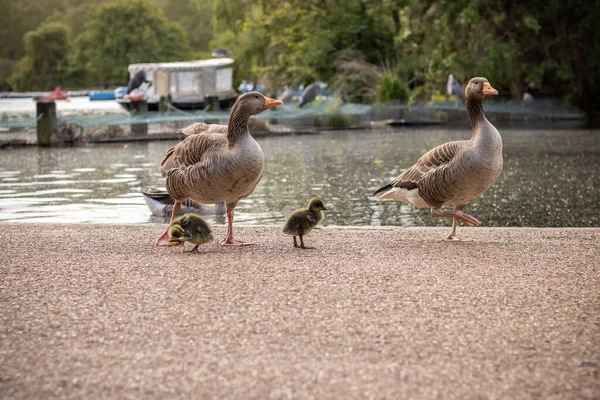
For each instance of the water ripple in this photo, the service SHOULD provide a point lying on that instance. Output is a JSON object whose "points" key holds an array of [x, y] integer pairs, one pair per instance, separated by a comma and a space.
{"points": [[550, 178]]}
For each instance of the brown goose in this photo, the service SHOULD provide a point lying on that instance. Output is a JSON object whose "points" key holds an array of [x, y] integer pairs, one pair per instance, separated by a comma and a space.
{"points": [[455, 172], [217, 162]]}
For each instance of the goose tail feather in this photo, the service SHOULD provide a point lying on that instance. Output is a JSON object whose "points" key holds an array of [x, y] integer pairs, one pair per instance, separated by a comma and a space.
{"points": [[383, 189]]}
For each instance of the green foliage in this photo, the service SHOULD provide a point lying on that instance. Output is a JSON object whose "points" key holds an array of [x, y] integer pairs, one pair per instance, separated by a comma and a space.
{"points": [[298, 41], [6, 70], [195, 17], [45, 64], [16, 19], [391, 88], [125, 32], [337, 120], [552, 47], [356, 80]]}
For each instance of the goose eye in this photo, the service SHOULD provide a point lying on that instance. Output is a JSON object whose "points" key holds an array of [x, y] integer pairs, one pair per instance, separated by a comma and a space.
{"points": [[477, 82], [256, 96]]}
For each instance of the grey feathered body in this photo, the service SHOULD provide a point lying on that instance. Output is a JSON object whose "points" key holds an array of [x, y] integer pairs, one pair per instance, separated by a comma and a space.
{"points": [[452, 173], [302, 221], [206, 168]]}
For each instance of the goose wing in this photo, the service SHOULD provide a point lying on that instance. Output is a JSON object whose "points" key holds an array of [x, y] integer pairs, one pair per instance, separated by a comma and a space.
{"points": [[429, 165], [195, 149], [201, 127]]}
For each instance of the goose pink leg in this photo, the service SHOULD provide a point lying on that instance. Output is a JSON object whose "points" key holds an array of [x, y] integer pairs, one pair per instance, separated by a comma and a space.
{"points": [[452, 235], [229, 239], [456, 215], [163, 240]]}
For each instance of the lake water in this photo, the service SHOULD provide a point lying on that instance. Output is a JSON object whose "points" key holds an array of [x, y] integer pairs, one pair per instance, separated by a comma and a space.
{"points": [[550, 178]]}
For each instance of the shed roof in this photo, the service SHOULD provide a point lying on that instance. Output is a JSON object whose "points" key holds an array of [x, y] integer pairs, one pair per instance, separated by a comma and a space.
{"points": [[182, 65]]}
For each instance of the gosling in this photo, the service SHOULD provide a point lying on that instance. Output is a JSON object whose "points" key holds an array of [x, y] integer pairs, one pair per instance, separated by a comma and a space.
{"points": [[300, 222], [190, 228]]}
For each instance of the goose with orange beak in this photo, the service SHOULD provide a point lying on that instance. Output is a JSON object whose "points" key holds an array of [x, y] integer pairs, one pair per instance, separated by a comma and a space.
{"points": [[217, 163], [454, 173]]}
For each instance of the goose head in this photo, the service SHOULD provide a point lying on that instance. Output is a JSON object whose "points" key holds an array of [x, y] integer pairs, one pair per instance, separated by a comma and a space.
{"points": [[316, 205], [479, 88], [253, 103]]}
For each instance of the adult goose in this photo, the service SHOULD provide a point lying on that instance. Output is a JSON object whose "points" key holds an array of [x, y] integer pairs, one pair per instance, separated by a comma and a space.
{"points": [[217, 163], [455, 172]]}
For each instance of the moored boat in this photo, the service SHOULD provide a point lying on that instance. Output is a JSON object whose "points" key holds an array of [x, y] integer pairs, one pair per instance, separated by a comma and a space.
{"points": [[100, 95], [187, 85]]}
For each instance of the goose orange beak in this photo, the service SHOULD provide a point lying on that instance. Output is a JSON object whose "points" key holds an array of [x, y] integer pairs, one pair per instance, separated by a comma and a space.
{"points": [[269, 102], [488, 89]]}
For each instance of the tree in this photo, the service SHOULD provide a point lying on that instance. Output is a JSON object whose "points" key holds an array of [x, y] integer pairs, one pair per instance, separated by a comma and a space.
{"points": [[124, 32], [46, 61], [298, 41], [195, 17]]}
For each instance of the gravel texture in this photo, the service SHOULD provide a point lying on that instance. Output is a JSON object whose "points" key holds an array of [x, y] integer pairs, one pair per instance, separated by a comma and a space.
{"points": [[97, 311]]}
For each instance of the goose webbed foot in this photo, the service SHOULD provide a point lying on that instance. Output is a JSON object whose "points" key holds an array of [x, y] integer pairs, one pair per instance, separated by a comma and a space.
{"points": [[230, 241], [163, 239], [469, 219], [452, 238], [457, 214]]}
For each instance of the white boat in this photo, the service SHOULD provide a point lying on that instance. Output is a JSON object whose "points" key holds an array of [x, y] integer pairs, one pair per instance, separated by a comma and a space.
{"points": [[190, 84]]}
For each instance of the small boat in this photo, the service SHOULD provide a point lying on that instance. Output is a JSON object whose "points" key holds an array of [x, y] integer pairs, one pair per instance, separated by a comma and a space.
{"points": [[161, 204], [58, 94], [120, 92], [100, 95], [189, 85]]}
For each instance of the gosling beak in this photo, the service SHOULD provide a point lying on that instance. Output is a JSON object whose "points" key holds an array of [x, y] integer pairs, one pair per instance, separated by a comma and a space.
{"points": [[269, 102], [488, 89], [324, 208], [175, 241], [186, 236]]}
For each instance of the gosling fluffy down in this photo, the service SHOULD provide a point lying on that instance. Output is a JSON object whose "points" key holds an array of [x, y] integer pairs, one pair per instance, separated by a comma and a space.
{"points": [[190, 228], [300, 222]]}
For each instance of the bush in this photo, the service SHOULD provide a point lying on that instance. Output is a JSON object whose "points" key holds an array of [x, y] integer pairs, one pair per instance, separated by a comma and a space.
{"points": [[391, 88], [46, 62]]}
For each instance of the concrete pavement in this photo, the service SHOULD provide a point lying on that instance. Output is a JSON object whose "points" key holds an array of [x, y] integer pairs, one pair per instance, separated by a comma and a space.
{"points": [[97, 311]]}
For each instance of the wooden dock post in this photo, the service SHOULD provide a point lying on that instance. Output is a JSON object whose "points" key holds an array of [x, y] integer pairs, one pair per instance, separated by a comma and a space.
{"points": [[139, 106], [212, 102], [162, 104], [46, 123]]}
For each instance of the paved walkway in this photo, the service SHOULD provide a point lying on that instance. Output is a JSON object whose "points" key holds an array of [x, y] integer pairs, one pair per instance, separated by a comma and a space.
{"points": [[90, 312]]}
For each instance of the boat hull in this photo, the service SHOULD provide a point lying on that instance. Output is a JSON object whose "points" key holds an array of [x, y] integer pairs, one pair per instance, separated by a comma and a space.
{"points": [[101, 95], [188, 105]]}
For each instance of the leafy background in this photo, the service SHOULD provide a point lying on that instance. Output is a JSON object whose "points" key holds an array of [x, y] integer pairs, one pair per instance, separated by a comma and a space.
{"points": [[367, 50]]}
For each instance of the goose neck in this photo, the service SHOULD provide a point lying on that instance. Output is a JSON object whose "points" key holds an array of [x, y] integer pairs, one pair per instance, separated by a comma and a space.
{"points": [[475, 112], [238, 124]]}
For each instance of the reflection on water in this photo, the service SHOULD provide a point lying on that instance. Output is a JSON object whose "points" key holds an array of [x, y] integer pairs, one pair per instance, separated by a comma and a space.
{"points": [[550, 178]]}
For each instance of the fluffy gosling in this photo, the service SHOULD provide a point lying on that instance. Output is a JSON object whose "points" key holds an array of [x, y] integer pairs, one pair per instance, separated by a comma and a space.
{"points": [[300, 222], [190, 228]]}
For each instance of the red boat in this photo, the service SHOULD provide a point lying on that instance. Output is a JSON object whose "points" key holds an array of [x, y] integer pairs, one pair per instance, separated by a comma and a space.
{"points": [[58, 94]]}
